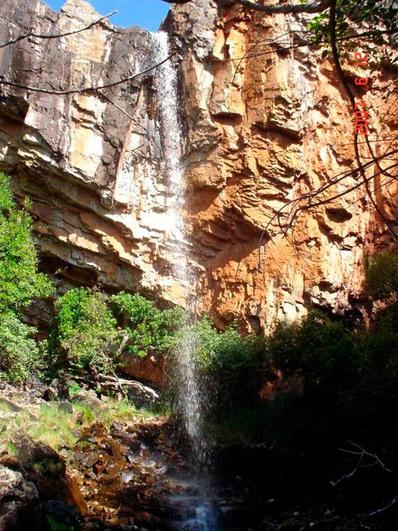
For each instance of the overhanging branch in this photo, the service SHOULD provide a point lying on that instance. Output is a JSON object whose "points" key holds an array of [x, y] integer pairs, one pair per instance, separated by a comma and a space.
{"points": [[82, 90], [57, 35], [311, 7]]}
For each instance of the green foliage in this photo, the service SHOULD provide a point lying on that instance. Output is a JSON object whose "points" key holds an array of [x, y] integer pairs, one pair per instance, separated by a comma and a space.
{"points": [[318, 27], [20, 281], [6, 200], [318, 350], [58, 526], [84, 334], [355, 17], [148, 328], [229, 364], [84, 331], [347, 378], [262, 420], [74, 389], [380, 347], [382, 276], [19, 353]]}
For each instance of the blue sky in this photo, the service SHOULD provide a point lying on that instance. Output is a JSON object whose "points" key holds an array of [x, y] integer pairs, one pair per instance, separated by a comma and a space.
{"points": [[145, 13]]}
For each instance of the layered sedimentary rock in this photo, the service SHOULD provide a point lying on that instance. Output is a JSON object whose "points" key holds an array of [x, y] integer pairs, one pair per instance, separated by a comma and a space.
{"points": [[265, 119], [91, 161], [269, 120]]}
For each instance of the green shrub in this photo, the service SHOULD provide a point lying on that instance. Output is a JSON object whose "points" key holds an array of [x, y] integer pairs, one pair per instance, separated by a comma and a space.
{"points": [[379, 14], [229, 364], [148, 328], [84, 331], [382, 276], [380, 345], [318, 350], [20, 280], [19, 353]]}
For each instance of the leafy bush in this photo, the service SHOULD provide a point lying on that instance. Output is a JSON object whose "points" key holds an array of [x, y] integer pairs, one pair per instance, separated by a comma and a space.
{"points": [[84, 331], [148, 327], [348, 378], [229, 365], [20, 280], [382, 276], [380, 346], [19, 353], [319, 350]]}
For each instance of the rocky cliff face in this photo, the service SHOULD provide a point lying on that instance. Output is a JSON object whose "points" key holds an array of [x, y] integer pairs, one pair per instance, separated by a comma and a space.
{"points": [[264, 123], [91, 162]]}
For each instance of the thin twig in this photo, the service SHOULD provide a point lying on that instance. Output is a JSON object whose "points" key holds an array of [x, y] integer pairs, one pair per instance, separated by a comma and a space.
{"points": [[362, 454], [86, 89], [382, 509], [58, 35]]}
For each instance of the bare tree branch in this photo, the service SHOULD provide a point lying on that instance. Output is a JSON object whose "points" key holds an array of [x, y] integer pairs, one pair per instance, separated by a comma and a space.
{"points": [[362, 455], [314, 193], [382, 509], [82, 90], [57, 35], [343, 79], [312, 7], [305, 44]]}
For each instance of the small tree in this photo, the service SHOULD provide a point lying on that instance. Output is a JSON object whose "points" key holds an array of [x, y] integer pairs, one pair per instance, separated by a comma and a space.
{"points": [[318, 350], [20, 282], [84, 331], [19, 352], [148, 327], [382, 276]]}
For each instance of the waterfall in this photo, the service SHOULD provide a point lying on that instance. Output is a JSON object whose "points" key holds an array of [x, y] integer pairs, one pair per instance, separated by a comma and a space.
{"points": [[166, 79], [190, 392], [190, 400]]}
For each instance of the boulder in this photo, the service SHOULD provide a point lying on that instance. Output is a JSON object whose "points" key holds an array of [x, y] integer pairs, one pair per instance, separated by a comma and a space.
{"points": [[20, 503]]}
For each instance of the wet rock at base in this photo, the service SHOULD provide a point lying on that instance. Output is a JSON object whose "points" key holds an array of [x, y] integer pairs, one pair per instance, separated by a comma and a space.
{"points": [[20, 503]]}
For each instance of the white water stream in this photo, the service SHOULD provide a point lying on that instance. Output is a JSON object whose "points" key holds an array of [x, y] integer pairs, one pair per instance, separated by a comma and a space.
{"points": [[166, 78], [189, 388]]}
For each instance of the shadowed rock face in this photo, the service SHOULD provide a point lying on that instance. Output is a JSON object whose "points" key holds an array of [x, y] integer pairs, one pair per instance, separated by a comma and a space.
{"points": [[18, 499], [259, 130]]}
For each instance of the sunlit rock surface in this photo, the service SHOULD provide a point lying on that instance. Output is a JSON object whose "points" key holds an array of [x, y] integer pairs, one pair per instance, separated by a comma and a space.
{"points": [[263, 123], [92, 167]]}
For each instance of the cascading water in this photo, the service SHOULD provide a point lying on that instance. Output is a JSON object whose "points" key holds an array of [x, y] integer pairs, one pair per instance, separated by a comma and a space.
{"points": [[191, 397]]}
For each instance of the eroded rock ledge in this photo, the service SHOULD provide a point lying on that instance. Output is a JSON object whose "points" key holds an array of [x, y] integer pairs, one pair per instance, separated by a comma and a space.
{"points": [[260, 130], [91, 162]]}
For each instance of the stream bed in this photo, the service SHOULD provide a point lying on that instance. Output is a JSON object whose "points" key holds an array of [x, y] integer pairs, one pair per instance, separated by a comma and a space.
{"points": [[138, 474]]}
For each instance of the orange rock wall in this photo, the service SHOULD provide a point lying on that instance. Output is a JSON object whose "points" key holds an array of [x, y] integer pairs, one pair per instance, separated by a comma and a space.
{"points": [[268, 123]]}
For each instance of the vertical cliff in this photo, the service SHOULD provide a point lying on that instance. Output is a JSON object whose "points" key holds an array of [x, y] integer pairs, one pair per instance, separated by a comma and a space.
{"points": [[268, 120], [91, 161], [264, 122]]}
